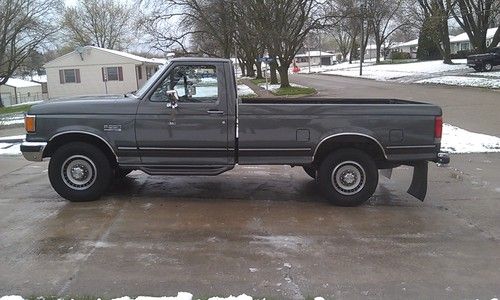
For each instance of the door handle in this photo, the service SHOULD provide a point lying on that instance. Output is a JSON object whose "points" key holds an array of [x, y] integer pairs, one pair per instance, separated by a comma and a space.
{"points": [[215, 112]]}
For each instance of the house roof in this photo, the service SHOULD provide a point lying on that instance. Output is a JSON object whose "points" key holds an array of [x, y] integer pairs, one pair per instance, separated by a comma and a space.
{"points": [[315, 54], [136, 58], [406, 44], [463, 37], [20, 83]]}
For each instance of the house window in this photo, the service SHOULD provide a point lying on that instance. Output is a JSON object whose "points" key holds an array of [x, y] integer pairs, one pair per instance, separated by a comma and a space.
{"points": [[112, 74], [69, 76]]}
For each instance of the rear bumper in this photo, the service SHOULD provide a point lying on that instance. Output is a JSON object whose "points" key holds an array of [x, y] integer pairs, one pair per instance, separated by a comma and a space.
{"points": [[33, 151]]}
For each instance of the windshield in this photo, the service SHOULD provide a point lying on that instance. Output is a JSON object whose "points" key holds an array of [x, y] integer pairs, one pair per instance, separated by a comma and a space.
{"points": [[151, 81]]}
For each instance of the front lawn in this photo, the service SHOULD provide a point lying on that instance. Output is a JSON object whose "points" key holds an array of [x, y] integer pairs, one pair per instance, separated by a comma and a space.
{"points": [[294, 91]]}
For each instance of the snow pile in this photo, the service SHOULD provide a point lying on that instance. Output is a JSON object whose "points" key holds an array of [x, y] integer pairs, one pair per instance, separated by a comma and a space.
{"points": [[180, 296], [457, 140], [244, 90], [275, 87], [12, 119], [10, 149], [12, 137], [493, 83]]}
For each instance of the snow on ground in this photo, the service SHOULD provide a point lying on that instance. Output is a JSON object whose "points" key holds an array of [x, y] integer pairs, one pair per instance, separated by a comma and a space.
{"points": [[487, 74], [424, 72], [457, 140], [470, 81], [395, 71], [275, 87], [10, 149], [244, 90]]}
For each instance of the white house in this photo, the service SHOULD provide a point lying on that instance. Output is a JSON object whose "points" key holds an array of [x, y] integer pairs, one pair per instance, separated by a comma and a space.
{"points": [[461, 42], [92, 70], [316, 57], [407, 47], [17, 91]]}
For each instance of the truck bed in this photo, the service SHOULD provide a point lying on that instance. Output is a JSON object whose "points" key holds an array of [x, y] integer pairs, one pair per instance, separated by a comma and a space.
{"points": [[278, 130]]}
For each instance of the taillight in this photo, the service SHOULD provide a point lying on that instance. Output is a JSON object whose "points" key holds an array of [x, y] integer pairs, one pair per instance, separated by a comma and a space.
{"points": [[30, 123], [438, 127]]}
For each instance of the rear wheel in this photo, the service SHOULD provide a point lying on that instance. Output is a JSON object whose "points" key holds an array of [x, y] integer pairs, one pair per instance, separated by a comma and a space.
{"points": [[348, 177], [488, 67], [79, 172], [310, 170]]}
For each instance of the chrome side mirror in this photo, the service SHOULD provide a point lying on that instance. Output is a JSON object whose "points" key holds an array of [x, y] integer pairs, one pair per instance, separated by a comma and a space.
{"points": [[173, 98]]}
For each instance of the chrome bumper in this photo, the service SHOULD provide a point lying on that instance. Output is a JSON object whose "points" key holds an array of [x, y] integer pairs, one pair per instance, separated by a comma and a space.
{"points": [[33, 151]]}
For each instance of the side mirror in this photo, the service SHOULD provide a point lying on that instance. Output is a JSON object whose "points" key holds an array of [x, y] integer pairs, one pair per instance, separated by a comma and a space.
{"points": [[173, 97]]}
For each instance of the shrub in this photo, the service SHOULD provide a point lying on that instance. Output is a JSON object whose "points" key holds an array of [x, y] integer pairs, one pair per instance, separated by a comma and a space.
{"points": [[400, 55]]}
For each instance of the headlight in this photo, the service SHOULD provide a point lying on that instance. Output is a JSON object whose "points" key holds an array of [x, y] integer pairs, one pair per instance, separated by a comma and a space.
{"points": [[30, 123]]}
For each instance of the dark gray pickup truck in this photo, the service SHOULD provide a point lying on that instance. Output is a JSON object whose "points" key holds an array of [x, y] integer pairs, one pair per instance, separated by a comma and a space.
{"points": [[188, 120]]}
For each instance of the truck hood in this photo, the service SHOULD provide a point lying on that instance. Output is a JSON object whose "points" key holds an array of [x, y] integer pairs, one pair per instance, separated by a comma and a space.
{"points": [[91, 106]]}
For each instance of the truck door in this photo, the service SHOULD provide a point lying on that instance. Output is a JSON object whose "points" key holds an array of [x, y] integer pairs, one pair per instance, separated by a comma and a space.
{"points": [[195, 132]]}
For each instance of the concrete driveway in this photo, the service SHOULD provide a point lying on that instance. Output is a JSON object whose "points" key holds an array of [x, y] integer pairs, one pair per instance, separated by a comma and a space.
{"points": [[263, 231]]}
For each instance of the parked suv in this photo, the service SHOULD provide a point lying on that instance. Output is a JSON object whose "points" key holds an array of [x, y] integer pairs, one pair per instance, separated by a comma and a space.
{"points": [[485, 62]]}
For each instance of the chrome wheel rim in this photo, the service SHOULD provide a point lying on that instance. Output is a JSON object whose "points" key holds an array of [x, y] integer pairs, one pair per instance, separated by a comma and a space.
{"points": [[78, 172], [488, 67], [348, 178]]}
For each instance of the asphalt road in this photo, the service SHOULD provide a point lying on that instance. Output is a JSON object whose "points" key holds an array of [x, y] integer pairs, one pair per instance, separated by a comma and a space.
{"points": [[265, 231], [474, 109]]}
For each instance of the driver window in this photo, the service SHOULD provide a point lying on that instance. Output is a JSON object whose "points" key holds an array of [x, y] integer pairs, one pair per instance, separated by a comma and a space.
{"points": [[194, 84]]}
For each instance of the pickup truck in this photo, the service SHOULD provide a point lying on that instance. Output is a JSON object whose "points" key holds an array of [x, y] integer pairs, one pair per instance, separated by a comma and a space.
{"points": [[188, 120], [484, 62]]}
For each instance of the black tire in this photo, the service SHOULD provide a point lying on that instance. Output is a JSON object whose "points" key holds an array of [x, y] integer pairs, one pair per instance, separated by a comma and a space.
{"points": [[355, 165], [488, 67], [80, 172], [310, 170]]}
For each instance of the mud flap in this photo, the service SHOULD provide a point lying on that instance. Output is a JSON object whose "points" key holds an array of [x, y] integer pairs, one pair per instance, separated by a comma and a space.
{"points": [[418, 187], [387, 173]]}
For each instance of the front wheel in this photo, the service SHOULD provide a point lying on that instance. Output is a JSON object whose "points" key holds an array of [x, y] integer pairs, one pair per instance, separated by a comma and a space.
{"points": [[348, 177], [80, 172]]}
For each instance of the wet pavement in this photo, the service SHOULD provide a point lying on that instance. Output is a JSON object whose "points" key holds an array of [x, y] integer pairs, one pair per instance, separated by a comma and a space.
{"points": [[264, 231]]}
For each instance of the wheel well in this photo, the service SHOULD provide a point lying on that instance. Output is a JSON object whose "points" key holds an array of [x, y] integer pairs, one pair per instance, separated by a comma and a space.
{"points": [[64, 139], [368, 145]]}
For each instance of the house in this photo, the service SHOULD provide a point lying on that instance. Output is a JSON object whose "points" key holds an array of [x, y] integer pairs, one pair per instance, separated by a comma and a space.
{"points": [[408, 47], [316, 58], [461, 42], [17, 91], [92, 70]]}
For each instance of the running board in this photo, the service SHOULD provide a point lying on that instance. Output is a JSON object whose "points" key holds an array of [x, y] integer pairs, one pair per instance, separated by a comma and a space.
{"points": [[185, 170]]}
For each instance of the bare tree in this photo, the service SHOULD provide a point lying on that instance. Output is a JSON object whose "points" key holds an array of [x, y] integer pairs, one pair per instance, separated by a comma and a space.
{"points": [[383, 18], [103, 23], [24, 26], [437, 13], [475, 17]]}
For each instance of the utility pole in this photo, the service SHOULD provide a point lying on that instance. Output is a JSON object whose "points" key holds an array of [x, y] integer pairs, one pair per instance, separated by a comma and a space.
{"points": [[362, 49]]}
